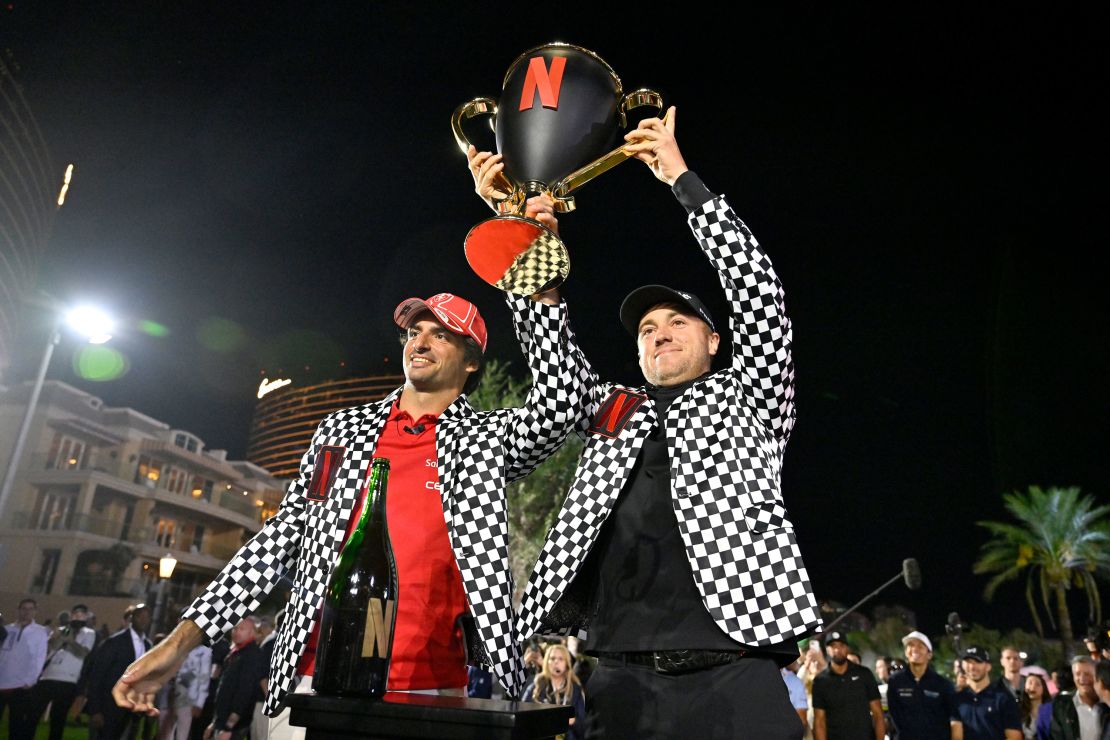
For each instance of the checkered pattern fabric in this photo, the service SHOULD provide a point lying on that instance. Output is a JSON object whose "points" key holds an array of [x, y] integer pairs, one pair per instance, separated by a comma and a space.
{"points": [[544, 260], [726, 436], [479, 453]]}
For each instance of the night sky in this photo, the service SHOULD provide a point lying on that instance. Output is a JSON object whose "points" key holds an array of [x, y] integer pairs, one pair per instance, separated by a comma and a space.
{"points": [[268, 181]]}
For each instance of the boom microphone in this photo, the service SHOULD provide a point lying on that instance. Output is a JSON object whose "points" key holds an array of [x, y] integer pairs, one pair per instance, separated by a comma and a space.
{"points": [[911, 574]]}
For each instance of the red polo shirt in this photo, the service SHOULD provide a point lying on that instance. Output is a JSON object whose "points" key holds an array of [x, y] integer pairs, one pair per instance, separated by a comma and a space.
{"points": [[428, 650]]}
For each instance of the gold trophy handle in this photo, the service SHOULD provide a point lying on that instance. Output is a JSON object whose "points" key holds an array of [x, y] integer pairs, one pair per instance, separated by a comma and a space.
{"points": [[480, 107], [635, 99], [469, 109]]}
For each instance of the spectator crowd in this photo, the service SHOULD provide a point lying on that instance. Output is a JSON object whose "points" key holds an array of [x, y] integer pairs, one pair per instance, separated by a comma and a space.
{"points": [[65, 673]]}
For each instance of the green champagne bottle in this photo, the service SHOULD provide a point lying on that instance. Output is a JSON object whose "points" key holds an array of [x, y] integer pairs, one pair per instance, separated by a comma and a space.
{"points": [[360, 604]]}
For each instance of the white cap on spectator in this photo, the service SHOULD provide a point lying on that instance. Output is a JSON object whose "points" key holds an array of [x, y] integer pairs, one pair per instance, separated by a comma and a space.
{"points": [[915, 635]]}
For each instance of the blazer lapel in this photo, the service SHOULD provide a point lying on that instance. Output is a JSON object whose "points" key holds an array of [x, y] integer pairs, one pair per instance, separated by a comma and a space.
{"points": [[602, 473]]}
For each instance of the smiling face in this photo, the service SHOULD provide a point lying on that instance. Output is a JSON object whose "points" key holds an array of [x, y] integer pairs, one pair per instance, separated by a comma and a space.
{"points": [[916, 652], [674, 345], [434, 357], [1084, 676], [976, 671]]}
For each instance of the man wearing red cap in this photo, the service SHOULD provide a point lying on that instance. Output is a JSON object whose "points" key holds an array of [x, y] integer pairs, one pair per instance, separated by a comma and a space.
{"points": [[447, 513]]}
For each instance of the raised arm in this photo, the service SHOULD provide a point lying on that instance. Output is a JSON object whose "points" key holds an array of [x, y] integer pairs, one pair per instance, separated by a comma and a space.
{"points": [[761, 333]]}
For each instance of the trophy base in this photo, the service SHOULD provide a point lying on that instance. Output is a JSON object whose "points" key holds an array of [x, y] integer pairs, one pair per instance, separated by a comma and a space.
{"points": [[517, 255]]}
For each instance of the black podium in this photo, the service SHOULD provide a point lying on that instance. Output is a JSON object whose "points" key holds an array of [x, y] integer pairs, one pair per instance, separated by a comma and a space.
{"points": [[402, 715]]}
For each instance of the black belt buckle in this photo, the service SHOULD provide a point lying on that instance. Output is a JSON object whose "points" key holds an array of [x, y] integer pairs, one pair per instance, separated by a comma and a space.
{"points": [[684, 661]]}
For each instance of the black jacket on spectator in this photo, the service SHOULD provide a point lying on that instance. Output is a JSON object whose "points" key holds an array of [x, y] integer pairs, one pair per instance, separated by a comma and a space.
{"points": [[238, 689], [1065, 720], [105, 665]]}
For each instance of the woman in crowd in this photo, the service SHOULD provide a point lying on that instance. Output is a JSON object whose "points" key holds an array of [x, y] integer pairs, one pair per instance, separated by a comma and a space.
{"points": [[558, 684], [1036, 708]]}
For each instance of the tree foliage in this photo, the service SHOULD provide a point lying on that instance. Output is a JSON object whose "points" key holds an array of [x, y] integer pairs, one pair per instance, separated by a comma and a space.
{"points": [[534, 501], [1060, 540]]}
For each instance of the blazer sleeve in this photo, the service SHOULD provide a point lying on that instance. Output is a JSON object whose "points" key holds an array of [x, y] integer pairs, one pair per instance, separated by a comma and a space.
{"points": [[557, 398], [761, 332], [260, 563]]}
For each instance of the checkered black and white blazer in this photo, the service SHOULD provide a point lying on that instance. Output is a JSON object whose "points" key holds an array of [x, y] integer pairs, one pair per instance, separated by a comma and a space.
{"points": [[479, 453], [726, 436]]}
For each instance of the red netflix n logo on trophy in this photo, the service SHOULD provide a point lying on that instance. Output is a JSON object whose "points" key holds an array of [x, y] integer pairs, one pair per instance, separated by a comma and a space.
{"points": [[538, 79]]}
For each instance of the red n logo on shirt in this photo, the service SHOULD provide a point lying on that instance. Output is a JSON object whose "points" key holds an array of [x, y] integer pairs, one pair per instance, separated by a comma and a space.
{"points": [[615, 412], [537, 79]]}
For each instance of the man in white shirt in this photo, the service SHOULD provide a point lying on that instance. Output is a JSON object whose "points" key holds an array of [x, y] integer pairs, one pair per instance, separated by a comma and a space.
{"points": [[57, 686], [21, 657]]}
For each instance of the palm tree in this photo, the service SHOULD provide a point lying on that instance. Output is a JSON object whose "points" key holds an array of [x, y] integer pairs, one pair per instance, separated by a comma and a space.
{"points": [[1061, 539]]}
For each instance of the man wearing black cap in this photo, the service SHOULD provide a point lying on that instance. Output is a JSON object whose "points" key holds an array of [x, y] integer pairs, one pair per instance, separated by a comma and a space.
{"points": [[694, 586], [447, 513], [987, 711], [846, 701]]}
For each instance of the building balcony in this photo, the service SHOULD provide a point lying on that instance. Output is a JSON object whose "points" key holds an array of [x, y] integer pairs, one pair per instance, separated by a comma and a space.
{"points": [[104, 532], [84, 524], [105, 585], [226, 505]]}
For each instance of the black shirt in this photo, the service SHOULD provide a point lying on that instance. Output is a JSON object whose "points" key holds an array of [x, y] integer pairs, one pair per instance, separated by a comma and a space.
{"points": [[921, 709], [646, 598], [987, 714], [846, 699]]}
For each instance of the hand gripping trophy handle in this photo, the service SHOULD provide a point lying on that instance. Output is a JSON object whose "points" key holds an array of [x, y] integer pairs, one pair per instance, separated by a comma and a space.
{"points": [[635, 99], [485, 107]]}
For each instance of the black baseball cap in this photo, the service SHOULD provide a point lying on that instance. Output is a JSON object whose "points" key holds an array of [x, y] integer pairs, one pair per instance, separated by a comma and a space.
{"points": [[835, 636], [637, 303], [977, 654]]}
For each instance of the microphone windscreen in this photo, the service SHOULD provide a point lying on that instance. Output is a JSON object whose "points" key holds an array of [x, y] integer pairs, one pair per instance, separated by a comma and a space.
{"points": [[911, 573]]}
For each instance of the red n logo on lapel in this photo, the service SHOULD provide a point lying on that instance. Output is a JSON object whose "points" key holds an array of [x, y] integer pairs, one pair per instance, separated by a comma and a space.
{"points": [[328, 460], [615, 412]]}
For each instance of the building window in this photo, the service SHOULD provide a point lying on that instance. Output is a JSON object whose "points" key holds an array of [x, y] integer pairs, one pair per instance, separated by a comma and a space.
{"points": [[175, 479], [201, 488], [54, 510], [165, 531], [198, 538], [43, 581], [149, 471], [65, 453], [186, 442]]}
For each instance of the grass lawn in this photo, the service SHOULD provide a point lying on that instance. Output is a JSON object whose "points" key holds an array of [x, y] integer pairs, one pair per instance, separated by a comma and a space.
{"points": [[72, 732]]}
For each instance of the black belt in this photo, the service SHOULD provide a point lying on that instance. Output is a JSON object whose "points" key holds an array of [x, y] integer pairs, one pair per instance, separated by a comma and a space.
{"points": [[676, 661]]}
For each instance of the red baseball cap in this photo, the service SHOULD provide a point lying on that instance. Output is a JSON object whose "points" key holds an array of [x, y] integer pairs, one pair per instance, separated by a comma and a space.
{"points": [[456, 313]]}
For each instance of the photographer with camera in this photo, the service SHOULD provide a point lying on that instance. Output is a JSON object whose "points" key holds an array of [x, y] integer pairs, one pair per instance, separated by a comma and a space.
{"points": [[67, 649]]}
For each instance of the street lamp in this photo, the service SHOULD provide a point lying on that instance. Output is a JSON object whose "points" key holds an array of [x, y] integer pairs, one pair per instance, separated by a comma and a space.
{"points": [[96, 327], [166, 564]]}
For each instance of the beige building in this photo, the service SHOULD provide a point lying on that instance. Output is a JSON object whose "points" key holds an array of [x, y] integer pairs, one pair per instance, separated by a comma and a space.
{"points": [[103, 493]]}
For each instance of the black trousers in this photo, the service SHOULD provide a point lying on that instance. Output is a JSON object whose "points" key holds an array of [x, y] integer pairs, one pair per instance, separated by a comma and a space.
{"points": [[746, 700], [21, 722], [59, 695]]}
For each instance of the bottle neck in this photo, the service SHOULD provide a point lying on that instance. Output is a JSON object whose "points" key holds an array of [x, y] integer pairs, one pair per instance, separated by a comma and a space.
{"points": [[373, 508]]}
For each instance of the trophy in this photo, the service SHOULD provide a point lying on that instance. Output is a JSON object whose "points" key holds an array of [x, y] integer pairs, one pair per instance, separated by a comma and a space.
{"points": [[561, 110]]}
